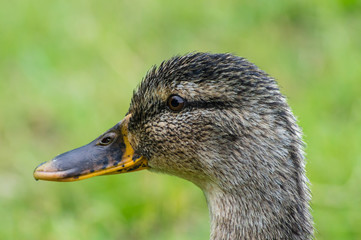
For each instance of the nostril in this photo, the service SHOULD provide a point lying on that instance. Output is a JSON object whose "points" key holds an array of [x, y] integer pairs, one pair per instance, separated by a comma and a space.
{"points": [[106, 140]]}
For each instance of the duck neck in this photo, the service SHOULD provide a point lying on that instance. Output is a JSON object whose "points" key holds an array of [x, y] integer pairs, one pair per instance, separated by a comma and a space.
{"points": [[238, 216]]}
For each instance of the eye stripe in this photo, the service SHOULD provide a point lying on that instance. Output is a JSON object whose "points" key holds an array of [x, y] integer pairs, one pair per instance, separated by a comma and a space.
{"points": [[209, 104]]}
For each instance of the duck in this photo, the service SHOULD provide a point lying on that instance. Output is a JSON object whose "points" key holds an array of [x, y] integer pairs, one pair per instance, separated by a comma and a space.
{"points": [[220, 122]]}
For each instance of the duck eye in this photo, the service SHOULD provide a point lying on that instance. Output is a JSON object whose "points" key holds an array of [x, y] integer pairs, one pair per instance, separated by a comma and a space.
{"points": [[106, 140], [175, 103]]}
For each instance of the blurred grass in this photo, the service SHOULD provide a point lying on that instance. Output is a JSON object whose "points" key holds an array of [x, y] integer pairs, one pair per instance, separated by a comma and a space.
{"points": [[67, 70]]}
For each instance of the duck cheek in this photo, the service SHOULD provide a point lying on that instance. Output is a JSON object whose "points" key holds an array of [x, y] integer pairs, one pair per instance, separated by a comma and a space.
{"points": [[178, 164]]}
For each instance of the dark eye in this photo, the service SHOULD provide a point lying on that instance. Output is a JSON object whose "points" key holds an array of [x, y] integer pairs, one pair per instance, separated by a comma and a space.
{"points": [[106, 140], [176, 103]]}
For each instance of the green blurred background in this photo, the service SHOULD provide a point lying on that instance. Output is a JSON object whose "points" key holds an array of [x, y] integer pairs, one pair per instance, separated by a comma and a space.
{"points": [[67, 71]]}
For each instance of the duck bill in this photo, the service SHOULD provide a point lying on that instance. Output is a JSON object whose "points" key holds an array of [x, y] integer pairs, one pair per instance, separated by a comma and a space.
{"points": [[111, 153]]}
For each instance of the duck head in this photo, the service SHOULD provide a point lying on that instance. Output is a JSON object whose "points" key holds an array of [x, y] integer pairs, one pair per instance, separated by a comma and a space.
{"points": [[208, 118]]}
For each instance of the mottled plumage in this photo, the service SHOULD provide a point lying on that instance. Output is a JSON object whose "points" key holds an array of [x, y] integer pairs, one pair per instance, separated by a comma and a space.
{"points": [[236, 138]]}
